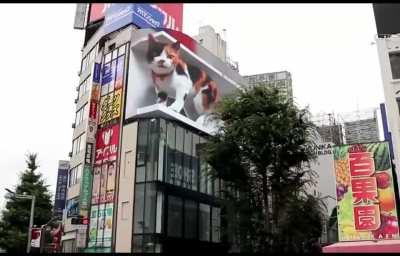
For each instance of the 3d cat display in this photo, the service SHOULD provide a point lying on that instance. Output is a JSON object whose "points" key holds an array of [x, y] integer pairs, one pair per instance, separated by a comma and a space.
{"points": [[174, 78]]}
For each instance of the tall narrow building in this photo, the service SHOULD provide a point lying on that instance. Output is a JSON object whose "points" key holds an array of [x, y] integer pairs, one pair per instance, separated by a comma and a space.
{"points": [[137, 179]]}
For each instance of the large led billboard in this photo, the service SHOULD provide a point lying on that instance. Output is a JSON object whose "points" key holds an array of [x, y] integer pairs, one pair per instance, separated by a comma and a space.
{"points": [[365, 194], [169, 72]]}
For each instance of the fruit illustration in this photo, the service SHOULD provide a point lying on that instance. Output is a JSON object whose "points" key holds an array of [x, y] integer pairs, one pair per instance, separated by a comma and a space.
{"points": [[382, 179], [386, 200], [389, 227], [340, 191], [342, 172]]}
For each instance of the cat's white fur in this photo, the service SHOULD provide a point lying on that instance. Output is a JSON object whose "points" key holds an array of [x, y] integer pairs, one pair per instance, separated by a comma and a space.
{"points": [[180, 85]]}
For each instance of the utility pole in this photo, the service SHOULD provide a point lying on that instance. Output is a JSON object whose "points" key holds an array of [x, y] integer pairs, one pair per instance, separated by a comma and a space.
{"points": [[31, 197]]}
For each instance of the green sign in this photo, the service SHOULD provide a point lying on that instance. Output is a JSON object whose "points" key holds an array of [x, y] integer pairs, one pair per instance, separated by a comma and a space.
{"points": [[86, 189]]}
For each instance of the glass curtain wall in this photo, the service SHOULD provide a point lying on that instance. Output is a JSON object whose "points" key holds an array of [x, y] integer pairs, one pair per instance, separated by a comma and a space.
{"points": [[170, 154]]}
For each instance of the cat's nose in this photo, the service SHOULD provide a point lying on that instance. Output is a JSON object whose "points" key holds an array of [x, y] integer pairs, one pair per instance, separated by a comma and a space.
{"points": [[161, 62]]}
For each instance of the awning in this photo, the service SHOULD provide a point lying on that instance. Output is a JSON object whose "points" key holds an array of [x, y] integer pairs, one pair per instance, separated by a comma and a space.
{"points": [[364, 246]]}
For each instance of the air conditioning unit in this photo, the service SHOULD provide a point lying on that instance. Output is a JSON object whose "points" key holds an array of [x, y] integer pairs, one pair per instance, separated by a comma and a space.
{"points": [[73, 125], [76, 100], [70, 154], [77, 88]]}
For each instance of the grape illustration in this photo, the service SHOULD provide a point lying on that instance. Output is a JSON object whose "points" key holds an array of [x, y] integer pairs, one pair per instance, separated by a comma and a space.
{"points": [[340, 191]]}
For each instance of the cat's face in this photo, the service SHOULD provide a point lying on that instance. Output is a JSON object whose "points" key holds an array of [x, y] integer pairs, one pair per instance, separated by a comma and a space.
{"points": [[162, 58]]}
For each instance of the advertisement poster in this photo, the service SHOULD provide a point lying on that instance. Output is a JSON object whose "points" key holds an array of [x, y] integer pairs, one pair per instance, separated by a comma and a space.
{"points": [[86, 188], [365, 194], [108, 224], [103, 183], [191, 88], [110, 183], [61, 189], [96, 185], [100, 224], [110, 106], [93, 226], [73, 207], [107, 144], [119, 79]]}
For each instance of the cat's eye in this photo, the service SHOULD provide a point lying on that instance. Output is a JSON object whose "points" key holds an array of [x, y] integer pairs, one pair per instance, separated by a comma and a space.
{"points": [[170, 56]]}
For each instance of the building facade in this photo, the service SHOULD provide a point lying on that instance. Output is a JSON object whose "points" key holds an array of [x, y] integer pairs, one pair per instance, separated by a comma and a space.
{"points": [[281, 80], [137, 182], [361, 127]]}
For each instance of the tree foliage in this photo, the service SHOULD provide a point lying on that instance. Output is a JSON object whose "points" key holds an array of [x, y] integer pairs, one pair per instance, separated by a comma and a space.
{"points": [[15, 217], [261, 149]]}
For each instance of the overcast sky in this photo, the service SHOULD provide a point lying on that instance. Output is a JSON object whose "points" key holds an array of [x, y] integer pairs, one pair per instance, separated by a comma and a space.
{"points": [[326, 47]]}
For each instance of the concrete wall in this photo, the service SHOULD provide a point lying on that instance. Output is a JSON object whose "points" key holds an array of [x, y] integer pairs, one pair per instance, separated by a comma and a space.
{"points": [[126, 188]]}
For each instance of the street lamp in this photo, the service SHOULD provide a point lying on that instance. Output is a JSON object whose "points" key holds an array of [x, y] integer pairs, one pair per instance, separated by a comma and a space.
{"points": [[31, 197]]}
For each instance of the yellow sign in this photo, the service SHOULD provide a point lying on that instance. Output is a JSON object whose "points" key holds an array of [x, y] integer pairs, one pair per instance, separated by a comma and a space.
{"points": [[110, 106]]}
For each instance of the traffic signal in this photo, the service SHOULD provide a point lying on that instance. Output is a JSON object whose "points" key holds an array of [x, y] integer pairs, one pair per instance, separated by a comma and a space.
{"points": [[79, 220]]}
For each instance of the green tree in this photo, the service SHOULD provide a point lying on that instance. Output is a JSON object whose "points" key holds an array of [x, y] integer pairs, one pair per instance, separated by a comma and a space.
{"points": [[261, 150], [15, 220]]}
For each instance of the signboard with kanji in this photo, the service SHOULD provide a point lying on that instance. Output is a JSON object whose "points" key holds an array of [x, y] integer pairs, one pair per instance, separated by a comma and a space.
{"points": [[365, 194]]}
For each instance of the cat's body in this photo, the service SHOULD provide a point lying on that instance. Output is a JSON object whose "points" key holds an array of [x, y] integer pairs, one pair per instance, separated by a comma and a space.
{"points": [[173, 77]]}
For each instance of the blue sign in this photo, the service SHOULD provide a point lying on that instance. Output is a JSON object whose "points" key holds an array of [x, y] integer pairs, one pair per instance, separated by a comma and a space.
{"points": [[142, 15], [96, 73], [61, 192]]}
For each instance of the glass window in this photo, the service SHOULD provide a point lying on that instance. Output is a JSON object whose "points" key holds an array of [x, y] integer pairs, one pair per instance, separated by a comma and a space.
{"points": [[162, 148], [121, 50], [138, 222], [148, 244], [115, 54], [190, 219], [142, 143], [216, 224], [210, 181], [195, 161], [152, 150], [137, 244], [170, 171], [140, 173], [150, 209], [179, 155], [204, 222], [217, 193], [394, 58], [187, 170], [107, 58], [174, 216]]}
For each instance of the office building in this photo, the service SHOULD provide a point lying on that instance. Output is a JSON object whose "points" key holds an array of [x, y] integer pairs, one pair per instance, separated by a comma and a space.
{"points": [[361, 127], [281, 80], [137, 180]]}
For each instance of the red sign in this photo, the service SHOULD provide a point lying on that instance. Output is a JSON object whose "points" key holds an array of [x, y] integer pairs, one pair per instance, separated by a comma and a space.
{"points": [[35, 237], [173, 15], [107, 144], [97, 11], [365, 190]]}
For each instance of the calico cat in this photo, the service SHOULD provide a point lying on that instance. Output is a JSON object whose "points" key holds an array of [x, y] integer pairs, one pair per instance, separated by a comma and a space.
{"points": [[172, 76]]}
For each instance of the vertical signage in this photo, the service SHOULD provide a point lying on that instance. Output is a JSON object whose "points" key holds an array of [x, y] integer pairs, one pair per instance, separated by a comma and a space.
{"points": [[61, 189], [365, 193], [86, 188]]}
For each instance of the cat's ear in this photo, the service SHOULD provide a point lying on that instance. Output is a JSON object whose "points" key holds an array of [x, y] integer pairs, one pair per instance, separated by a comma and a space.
{"points": [[176, 45], [151, 39]]}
